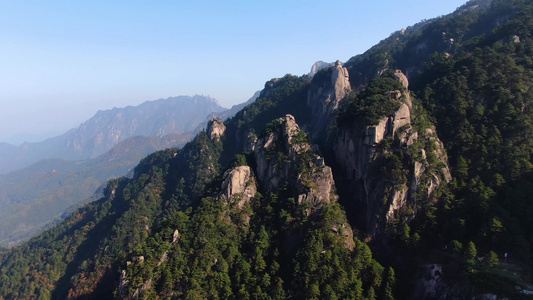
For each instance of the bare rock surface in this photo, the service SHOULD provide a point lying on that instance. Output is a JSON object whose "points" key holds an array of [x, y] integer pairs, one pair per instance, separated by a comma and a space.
{"points": [[361, 156], [324, 99], [215, 129], [239, 185]]}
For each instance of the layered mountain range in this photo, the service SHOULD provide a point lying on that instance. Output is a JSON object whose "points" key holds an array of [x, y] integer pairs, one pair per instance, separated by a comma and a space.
{"points": [[37, 196], [107, 128], [403, 173], [40, 195]]}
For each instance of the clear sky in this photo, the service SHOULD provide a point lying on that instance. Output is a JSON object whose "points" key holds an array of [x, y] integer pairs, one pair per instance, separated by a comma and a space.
{"points": [[62, 61]]}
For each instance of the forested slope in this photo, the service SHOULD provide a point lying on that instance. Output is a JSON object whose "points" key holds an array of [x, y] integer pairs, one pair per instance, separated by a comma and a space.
{"points": [[419, 149]]}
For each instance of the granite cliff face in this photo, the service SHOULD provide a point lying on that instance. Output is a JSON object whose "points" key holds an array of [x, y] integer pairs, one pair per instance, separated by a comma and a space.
{"points": [[325, 95], [285, 151], [285, 161], [215, 129], [239, 186], [360, 152]]}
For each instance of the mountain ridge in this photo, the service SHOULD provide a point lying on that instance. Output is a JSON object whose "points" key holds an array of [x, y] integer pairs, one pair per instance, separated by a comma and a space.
{"points": [[106, 128], [433, 171], [33, 197], [19, 201]]}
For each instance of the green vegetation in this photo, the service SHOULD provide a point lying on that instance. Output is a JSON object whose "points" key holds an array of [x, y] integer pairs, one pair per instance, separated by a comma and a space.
{"points": [[82, 254], [278, 254], [170, 242], [32, 197], [372, 104], [281, 96], [165, 233], [480, 99], [470, 75]]}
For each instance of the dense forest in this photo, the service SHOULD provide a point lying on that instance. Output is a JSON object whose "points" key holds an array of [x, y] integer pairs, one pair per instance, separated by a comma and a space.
{"points": [[411, 181]]}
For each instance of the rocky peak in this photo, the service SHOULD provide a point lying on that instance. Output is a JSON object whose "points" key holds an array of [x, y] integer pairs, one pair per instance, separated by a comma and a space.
{"points": [[390, 125], [283, 151], [285, 160], [215, 129], [401, 118], [324, 97], [238, 186], [360, 154], [341, 81], [290, 130], [402, 78], [319, 65]]}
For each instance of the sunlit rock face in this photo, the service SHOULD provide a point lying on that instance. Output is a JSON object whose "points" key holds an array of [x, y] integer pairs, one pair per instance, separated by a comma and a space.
{"points": [[325, 96], [360, 152]]}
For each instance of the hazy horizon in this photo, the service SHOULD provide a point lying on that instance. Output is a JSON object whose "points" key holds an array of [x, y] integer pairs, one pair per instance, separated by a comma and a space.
{"points": [[64, 61]]}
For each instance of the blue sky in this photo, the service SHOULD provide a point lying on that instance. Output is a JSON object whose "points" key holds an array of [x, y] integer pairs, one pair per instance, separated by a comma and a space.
{"points": [[62, 61]]}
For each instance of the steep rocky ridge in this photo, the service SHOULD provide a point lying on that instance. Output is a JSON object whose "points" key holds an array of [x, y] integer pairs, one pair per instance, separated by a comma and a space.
{"points": [[284, 164], [228, 248], [215, 129], [281, 153], [360, 152], [239, 186], [285, 160], [326, 92]]}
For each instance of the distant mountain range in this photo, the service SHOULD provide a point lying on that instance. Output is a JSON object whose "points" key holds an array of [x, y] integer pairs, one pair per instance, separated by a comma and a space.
{"points": [[64, 172], [226, 114], [107, 128], [421, 147], [33, 197]]}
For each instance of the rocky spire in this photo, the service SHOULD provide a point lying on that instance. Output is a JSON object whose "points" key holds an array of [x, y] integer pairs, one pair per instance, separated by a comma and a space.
{"points": [[215, 129], [325, 97], [340, 81]]}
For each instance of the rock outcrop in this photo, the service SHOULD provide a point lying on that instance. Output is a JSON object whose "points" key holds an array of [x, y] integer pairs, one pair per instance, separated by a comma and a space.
{"points": [[431, 285], [340, 79], [434, 283], [215, 129], [362, 152], [324, 96], [285, 160], [319, 65], [239, 186], [284, 151]]}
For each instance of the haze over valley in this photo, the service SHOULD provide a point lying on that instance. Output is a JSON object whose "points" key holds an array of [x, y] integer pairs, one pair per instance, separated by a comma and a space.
{"points": [[396, 165]]}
